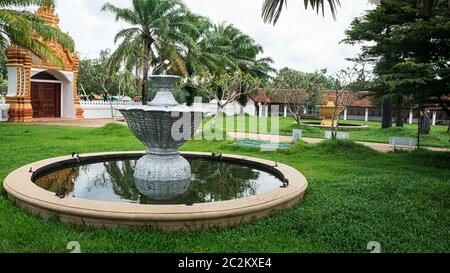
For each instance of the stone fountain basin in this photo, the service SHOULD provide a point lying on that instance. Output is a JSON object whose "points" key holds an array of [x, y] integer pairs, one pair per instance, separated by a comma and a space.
{"points": [[342, 126], [24, 193], [154, 125]]}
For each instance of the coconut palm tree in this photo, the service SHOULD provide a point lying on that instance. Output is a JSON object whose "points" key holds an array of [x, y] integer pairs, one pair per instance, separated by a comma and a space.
{"points": [[20, 27], [157, 28], [272, 8], [196, 53], [240, 50]]}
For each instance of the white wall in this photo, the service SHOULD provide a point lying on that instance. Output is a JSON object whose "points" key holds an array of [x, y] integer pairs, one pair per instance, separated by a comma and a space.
{"points": [[102, 109], [232, 109], [12, 81]]}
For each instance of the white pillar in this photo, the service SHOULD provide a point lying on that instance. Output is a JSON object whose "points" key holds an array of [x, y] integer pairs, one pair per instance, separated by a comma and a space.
{"points": [[285, 110], [305, 110], [260, 107], [411, 113], [267, 110], [434, 118], [345, 113], [366, 115]]}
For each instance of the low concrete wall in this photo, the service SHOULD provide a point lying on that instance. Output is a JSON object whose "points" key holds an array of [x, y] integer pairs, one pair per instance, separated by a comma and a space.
{"points": [[104, 109]]}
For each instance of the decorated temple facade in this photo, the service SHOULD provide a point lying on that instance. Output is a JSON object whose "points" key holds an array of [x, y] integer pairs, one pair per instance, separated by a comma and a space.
{"points": [[38, 88]]}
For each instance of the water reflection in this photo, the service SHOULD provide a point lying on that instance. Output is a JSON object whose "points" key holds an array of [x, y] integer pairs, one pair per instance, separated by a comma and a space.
{"points": [[114, 181]]}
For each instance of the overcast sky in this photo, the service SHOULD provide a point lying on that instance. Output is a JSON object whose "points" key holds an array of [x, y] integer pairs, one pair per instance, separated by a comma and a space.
{"points": [[301, 40]]}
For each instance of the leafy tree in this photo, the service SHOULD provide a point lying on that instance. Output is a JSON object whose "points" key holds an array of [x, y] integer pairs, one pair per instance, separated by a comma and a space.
{"points": [[96, 76], [3, 76], [343, 97], [20, 27], [293, 79], [299, 90], [226, 88], [410, 47], [3, 86], [296, 100], [3, 70]]}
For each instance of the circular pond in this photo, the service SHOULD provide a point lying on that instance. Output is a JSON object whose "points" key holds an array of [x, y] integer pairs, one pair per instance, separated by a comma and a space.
{"points": [[212, 181], [345, 126], [99, 190]]}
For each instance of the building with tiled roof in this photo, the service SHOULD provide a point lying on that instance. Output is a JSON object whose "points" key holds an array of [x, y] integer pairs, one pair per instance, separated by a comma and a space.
{"points": [[361, 108]]}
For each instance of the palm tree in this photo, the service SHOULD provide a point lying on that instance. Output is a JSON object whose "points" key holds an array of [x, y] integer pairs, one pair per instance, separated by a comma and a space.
{"points": [[241, 51], [197, 53], [21, 27], [272, 8], [157, 28]]}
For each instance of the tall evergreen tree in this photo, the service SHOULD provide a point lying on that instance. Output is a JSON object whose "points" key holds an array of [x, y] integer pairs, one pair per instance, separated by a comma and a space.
{"points": [[410, 47]]}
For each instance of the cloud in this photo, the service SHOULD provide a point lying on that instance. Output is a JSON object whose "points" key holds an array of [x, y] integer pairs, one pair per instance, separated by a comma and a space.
{"points": [[302, 39]]}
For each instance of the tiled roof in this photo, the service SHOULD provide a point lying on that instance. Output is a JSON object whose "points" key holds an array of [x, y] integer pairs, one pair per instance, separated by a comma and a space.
{"points": [[260, 97], [359, 99]]}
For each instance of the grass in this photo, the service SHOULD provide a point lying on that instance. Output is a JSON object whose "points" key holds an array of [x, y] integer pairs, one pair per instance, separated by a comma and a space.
{"points": [[438, 137], [355, 196]]}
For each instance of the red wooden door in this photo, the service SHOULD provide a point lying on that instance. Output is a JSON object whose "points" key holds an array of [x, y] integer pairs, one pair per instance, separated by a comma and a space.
{"points": [[46, 99]]}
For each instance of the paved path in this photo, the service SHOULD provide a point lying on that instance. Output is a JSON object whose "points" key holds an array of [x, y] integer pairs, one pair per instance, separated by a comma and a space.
{"points": [[381, 147]]}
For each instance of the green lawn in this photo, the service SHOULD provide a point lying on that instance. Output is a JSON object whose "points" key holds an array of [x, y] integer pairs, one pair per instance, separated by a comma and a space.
{"points": [[356, 195], [438, 137]]}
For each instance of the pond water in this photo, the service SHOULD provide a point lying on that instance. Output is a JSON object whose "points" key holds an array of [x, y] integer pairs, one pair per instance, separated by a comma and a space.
{"points": [[113, 181]]}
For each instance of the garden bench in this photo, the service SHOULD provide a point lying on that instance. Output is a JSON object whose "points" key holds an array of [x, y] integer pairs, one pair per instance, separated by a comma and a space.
{"points": [[403, 142], [340, 135]]}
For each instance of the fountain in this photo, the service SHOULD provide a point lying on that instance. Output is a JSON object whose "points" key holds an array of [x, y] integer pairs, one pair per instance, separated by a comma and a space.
{"points": [[157, 188], [326, 111], [162, 171]]}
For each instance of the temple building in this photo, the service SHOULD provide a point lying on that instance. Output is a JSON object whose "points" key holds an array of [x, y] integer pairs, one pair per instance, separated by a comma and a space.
{"points": [[38, 88]]}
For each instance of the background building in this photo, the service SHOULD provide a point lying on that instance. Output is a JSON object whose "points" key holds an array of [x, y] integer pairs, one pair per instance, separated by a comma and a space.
{"points": [[38, 88]]}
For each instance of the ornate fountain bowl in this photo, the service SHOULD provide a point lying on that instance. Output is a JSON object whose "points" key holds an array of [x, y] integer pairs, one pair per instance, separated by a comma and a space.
{"points": [[158, 129], [163, 126]]}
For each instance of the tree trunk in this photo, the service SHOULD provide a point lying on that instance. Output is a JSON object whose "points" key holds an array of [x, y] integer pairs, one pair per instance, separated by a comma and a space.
{"points": [[216, 117], [145, 71], [400, 120], [137, 82], [298, 118], [387, 113]]}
